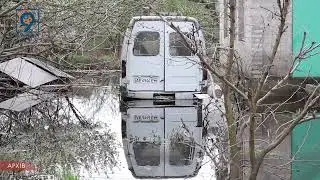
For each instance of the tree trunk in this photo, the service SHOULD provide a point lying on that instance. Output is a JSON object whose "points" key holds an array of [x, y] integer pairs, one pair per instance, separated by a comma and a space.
{"points": [[234, 149], [232, 129]]}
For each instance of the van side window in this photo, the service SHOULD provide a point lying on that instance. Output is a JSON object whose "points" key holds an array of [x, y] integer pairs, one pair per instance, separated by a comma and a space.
{"points": [[177, 46], [146, 43]]}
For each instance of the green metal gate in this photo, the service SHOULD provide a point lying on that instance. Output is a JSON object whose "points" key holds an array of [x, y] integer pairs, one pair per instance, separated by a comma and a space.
{"points": [[305, 142], [306, 19], [305, 151]]}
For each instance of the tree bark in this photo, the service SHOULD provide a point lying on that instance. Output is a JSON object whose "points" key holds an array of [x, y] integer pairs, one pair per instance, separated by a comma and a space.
{"points": [[234, 149]]}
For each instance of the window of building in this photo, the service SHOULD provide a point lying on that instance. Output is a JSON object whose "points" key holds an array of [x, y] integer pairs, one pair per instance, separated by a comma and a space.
{"points": [[177, 46], [146, 43]]}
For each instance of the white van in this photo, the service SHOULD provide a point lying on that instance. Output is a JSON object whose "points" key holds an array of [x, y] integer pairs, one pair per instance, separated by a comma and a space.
{"points": [[156, 142], [156, 62]]}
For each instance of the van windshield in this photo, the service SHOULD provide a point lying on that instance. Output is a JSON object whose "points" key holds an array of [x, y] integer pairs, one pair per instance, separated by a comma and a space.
{"points": [[177, 46], [146, 153], [146, 43]]}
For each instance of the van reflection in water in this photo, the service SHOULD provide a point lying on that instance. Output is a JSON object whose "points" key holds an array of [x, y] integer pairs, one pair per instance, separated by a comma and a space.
{"points": [[161, 140]]}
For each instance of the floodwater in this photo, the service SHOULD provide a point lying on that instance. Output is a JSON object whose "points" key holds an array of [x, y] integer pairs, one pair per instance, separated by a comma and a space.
{"points": [[145, 140]]}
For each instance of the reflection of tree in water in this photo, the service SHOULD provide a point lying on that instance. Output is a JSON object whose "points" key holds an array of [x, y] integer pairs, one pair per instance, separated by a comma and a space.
{"points": [[94, 98], [111, 80], [181, 148], [50, 136]]}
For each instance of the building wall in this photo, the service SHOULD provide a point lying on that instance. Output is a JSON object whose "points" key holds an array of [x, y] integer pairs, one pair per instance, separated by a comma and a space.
{"points": [[256, 32]]}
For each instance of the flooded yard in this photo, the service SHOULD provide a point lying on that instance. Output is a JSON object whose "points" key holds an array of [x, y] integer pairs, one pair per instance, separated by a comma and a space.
{"points": [[83, 134]]}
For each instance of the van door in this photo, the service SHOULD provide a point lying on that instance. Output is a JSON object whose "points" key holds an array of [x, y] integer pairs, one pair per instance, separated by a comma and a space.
{"points": [[182, 71], [145, 134], [180, 151], [146, 56]]}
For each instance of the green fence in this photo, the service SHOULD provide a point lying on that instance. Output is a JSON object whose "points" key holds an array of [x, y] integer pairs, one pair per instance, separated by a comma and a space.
{"points": [[306, 19], [305, 151]]}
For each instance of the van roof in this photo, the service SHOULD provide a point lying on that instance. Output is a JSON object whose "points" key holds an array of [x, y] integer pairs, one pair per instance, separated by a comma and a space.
{"points": [[160, 18]]}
